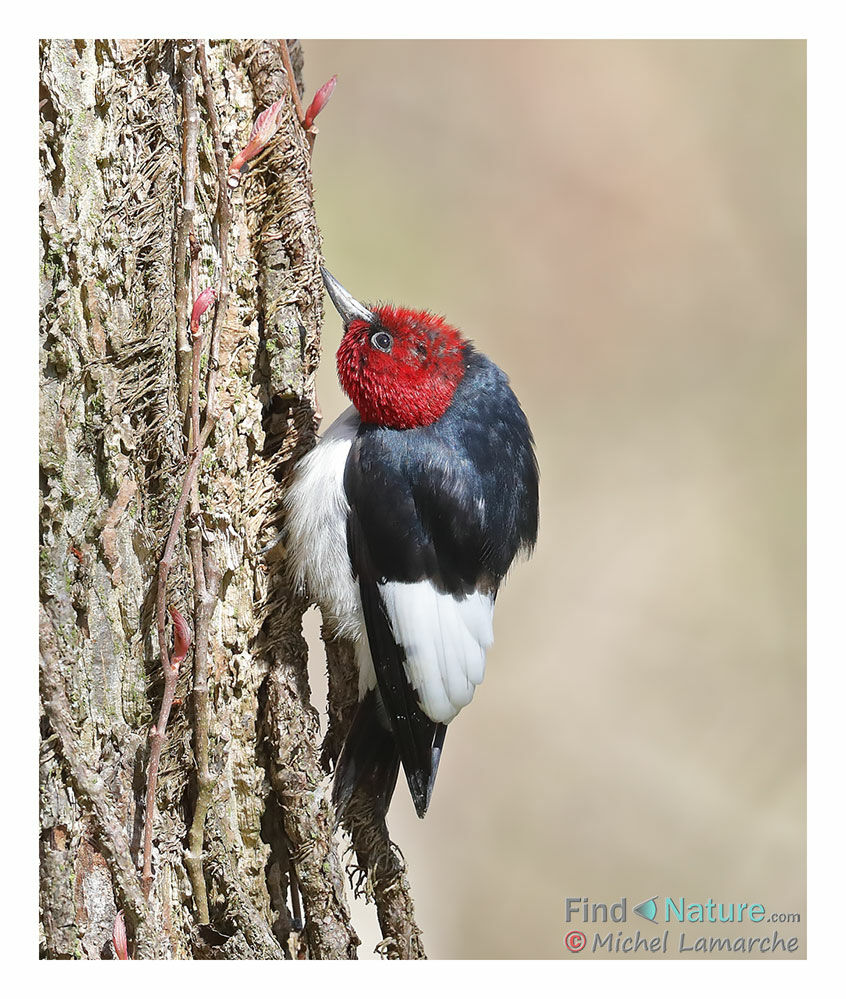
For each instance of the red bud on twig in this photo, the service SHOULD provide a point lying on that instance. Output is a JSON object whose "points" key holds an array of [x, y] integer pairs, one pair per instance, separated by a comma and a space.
{"points": [[181, 637], [204, 300], [266, 126], [321, 99], [119, 938]]}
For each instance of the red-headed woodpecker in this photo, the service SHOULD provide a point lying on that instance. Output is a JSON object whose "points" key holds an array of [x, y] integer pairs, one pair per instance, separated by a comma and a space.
{"points": [[402, 523]]}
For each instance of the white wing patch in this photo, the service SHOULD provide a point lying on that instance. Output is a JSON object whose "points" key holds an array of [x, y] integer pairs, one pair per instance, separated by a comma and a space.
{"points": [[444, 638], [317, 510]]}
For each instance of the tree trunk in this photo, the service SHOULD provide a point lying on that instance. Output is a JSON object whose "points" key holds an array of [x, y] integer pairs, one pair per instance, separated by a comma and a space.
{"points": [[124, 222]]}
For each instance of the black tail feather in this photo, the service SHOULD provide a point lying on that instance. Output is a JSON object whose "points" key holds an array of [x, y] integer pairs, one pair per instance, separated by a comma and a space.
{"points": [[421, 780], [370, 758]]}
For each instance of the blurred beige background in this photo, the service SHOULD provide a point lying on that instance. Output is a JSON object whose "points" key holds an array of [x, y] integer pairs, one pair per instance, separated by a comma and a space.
{"points": [[619, 225]]}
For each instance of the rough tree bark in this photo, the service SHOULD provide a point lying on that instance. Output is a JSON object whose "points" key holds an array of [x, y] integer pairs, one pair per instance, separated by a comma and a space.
{"points": [[115, 445]]}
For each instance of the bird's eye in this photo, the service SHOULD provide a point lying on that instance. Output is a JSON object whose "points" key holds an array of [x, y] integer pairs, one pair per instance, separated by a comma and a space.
{"points": [[382, 341]]}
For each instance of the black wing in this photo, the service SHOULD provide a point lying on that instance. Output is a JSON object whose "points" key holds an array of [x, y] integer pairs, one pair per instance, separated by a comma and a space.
{"points": [[429, 504]]}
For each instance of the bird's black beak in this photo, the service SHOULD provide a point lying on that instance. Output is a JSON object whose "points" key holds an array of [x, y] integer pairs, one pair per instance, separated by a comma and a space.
{"points": [[348, 308]]}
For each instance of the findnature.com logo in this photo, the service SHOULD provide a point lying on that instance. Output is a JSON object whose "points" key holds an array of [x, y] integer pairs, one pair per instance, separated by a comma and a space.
{"points": [[677, 911]]}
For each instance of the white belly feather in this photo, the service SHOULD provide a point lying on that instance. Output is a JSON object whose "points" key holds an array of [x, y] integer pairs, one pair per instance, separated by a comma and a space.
{"points": [[317, 510], [444, 638]]}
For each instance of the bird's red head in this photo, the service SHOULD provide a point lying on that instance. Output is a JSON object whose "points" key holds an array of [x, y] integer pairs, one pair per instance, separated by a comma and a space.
{"points": [[400, 367]]}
